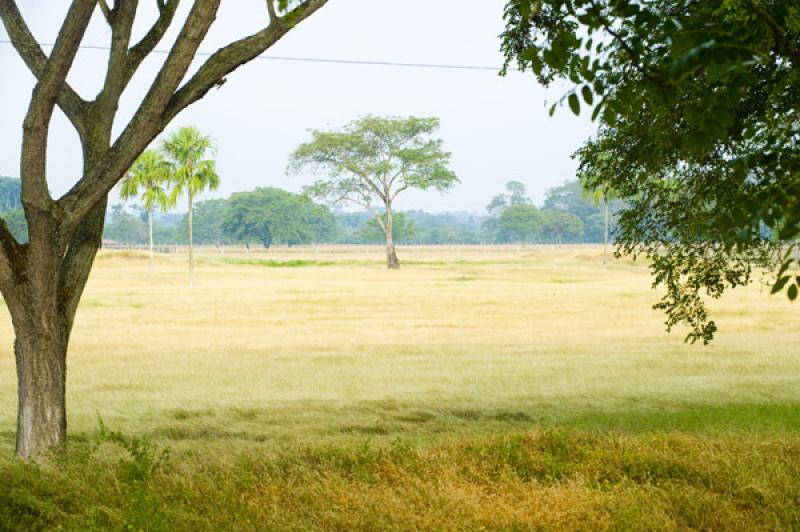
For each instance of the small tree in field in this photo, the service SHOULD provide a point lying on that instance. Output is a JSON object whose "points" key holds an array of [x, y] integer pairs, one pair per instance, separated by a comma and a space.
{"points": [[42, 280], [373, 160], [192, 172], [150, 175]]}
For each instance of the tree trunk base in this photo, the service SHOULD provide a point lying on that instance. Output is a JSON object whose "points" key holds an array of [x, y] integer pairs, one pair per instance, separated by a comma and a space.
{"points": [[42, 413], [392, 262]]}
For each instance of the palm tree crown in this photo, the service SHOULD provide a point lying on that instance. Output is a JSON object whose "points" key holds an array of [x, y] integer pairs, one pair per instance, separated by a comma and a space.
{"points": [[192, 171], [150, 174]]}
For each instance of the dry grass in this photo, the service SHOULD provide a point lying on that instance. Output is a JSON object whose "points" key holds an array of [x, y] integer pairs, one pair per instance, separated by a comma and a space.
{"points": [[452, 340], [286, 349]]}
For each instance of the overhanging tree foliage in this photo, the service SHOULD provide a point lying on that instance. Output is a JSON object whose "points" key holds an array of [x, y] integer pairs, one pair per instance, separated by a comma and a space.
{"points": [[699, 106], [42, 281], [374, 159]]}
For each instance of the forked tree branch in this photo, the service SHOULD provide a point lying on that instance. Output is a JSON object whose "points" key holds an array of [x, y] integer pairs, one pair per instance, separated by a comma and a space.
{"points": [[164, 100], [35, 192], [147, 122], [31, 53]]}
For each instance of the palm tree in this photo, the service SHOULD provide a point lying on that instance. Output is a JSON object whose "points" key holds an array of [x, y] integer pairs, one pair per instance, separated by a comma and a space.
{"points": [[150, 174], [192, 171]]}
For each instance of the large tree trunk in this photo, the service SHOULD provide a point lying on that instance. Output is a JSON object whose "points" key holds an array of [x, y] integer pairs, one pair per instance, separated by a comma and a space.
{"points": [[391, 255], [41, 375], [49, 283]]}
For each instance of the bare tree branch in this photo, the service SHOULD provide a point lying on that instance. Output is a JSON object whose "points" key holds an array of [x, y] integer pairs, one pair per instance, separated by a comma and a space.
{"points": [[231, 57], [105, 10], [375, 215], [37, 121], [31, 53], [116, 81], [273, 17], [137, 54], [399, 190]]}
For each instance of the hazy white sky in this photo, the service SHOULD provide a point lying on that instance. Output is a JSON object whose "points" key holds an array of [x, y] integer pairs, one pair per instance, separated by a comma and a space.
{"points": [[496, 128]]}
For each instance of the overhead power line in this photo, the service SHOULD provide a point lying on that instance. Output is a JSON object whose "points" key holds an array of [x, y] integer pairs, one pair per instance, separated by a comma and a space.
{"points": [[433, 66]]}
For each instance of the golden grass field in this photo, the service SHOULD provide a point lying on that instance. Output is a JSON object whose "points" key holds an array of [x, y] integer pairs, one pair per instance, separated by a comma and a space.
{"points": [[267, 356]]}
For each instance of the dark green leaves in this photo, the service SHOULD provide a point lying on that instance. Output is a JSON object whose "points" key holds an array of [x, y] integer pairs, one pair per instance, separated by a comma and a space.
{"points": [[574, 103], [588, 97], [778, 286]]}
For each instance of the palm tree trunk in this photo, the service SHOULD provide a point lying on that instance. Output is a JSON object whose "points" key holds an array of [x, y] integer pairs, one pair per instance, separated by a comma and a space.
{"points": [[191, 251], [605, 230], [150, 235]]}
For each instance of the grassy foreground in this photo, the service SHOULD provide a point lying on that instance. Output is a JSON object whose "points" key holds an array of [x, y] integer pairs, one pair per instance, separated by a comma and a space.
{"points": [[472, 389]]}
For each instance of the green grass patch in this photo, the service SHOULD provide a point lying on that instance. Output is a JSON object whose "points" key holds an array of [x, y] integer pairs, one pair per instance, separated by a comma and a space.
{"points": [[549, 479], [740, 418]]}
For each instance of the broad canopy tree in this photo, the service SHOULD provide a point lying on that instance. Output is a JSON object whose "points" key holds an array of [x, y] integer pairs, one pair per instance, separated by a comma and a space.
{"points": [[42, 280], [271, 215], [373, 160], [520, 223], [698, 105]]}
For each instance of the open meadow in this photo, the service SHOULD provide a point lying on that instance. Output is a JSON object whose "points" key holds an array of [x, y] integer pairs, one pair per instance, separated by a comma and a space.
{"points": [[477, 387]]}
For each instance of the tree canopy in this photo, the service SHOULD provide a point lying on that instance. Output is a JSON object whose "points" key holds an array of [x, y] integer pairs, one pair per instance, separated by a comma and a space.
{"points": [[520, 223], [273, 216], [698, 105]]}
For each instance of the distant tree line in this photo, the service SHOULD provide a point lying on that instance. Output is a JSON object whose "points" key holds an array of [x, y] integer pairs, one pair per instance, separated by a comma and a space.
{"points": [[271, 216], [264, 217], [569, 215]]}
